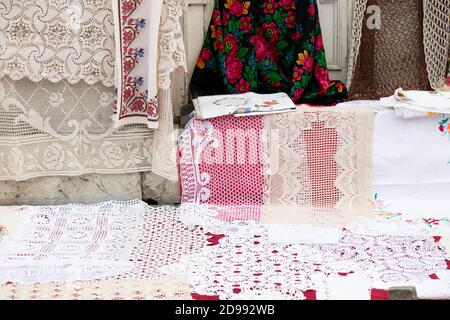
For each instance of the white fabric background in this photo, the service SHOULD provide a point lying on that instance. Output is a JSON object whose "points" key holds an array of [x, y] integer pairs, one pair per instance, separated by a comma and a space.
{"points": [[411, 169]]}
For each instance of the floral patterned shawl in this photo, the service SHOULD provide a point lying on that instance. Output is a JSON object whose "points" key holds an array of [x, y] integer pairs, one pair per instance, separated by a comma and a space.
{"points": [[266, 46]]}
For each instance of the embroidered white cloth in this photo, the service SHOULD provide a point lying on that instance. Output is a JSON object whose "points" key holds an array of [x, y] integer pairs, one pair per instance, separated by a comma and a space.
{"points": [[411, 158], [56, 40], [136, 32]]}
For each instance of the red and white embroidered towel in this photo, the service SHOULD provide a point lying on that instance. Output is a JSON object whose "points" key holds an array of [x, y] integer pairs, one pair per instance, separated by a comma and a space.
{"points": [[136, 32]]}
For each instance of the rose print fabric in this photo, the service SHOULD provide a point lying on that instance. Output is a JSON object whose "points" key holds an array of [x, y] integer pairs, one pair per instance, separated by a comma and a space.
{"points": [[266, 46]]}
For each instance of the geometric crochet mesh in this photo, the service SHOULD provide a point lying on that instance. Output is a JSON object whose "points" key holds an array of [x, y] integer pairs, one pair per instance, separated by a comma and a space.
{"points": [[388, 48]]}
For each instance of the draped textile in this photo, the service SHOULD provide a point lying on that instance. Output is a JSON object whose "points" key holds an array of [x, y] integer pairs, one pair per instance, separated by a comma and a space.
{"points": [[397, 44], [57, 106], [136, 30], [311, 166], [57, 40], [266, 46], [171, 59], [49, 129]]}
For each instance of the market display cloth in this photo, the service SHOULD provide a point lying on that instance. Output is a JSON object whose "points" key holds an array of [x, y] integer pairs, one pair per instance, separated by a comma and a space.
{"points": [[172, 260], [311, 166], [266, 46], [116, 240]]}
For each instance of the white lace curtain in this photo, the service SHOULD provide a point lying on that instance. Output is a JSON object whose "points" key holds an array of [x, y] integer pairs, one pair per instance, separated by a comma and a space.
{"points": [[57, 92]]}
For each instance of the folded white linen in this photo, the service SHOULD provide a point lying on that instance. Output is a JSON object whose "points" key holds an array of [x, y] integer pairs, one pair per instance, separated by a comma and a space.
{"points": [[302, 233]]}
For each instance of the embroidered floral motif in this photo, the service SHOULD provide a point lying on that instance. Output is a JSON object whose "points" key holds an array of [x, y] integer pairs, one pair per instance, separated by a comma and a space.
{"points": [[444, 126], [133, 97], [380, 208]]}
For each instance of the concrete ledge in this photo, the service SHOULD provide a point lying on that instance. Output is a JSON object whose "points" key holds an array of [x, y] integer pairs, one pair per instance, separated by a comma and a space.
{"points": [[63, 190]]}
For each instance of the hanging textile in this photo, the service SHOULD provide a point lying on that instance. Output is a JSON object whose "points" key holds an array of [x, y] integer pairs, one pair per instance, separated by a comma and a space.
{"points": [[171, 58], [436, 33], [49, 129], [136, 30], [312, 166], [385, 56], [266, 46], [56, 40], [63, 122]]}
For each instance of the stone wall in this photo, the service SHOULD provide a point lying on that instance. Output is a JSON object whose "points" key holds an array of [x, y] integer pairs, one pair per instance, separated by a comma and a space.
{"points": [[90, 188]]}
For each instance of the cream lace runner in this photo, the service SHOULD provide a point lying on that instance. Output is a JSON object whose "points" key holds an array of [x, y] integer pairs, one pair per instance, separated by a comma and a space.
{"points": [[65, 129], [172, 57], [148, 289], [56, 40], [312, 166], [323, 171], [435, 32]]}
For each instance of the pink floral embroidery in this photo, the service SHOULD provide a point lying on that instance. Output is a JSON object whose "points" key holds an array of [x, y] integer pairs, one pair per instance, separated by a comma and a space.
{"points": [[134, 99]]}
